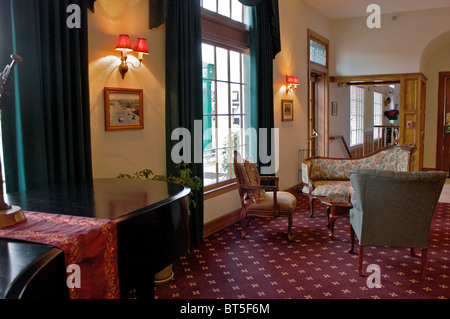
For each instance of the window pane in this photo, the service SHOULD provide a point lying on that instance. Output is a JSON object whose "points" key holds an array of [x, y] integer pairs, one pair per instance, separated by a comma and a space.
{"points": [[235, 66], [246, 18], [210, 5], [225, 161], [224, 8], [208, 61], [209, 104], [209, 133], [317, 53], [235, 98], [245, 68], [209, 167], [222, 98], [236, 10], [222, 64]]}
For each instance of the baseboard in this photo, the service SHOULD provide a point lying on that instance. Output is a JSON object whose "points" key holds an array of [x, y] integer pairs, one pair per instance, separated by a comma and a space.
{"points": [[222, 222]]}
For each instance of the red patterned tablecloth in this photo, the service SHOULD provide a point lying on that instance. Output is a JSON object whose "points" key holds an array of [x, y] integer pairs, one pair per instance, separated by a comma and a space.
{"points": [[90, 243]]}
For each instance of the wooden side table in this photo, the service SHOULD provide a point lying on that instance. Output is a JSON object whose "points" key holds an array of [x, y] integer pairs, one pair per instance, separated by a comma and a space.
{"points": [[337, 206]]}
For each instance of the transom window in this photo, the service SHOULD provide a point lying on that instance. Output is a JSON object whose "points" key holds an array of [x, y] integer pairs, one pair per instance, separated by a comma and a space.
{"points": [[318, 51], [232, 9]]}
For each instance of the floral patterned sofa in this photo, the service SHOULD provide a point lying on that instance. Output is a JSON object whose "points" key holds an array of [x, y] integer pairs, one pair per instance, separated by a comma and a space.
{"points": [[325, 176]]}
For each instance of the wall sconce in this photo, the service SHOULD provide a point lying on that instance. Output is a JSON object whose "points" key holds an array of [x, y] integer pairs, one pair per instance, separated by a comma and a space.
{"points": [[291, 84], [124, 46]]}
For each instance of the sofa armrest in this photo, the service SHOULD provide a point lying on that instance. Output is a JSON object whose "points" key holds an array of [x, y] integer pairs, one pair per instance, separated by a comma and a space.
{"points": [[306, 175]]}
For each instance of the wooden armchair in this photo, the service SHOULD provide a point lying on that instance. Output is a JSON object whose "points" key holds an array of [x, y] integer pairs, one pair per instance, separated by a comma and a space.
{"points": [[259, 200]]}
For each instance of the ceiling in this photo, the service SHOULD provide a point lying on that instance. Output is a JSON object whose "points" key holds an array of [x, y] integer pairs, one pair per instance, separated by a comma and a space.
{"points": [[339, 9]]}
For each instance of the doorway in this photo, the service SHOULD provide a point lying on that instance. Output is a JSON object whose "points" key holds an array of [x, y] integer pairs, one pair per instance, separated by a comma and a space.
{"points": [[443, 124], [318, 80], [318, 116]]}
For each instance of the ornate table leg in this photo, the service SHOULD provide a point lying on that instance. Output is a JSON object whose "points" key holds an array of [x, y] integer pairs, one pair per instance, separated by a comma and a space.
{"points": [[335, 212]]}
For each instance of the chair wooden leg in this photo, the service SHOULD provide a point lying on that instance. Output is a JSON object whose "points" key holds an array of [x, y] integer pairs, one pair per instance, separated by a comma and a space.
{"points": [[311, 207], [352, 239], [424, 262], [360, 260], [244, 223], [411, 252], [290, 238]]}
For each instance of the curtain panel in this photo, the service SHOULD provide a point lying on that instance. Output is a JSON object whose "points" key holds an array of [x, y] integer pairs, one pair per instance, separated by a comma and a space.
{"points": [[184, 106], [264, 46], [46, 124]]}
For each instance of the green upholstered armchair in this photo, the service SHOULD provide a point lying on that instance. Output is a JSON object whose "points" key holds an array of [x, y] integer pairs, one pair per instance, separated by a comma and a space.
{"points": [[392, 208]]}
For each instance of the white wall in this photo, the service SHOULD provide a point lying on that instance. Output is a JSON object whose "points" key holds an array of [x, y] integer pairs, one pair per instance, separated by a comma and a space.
{"points": [[295, 19], [127, 151], [439, 61], [396, 47], [339, 124], [413, 42]]}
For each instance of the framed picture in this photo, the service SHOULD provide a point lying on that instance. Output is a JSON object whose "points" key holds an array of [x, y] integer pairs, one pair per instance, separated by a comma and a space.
{"points": [[124, 109], [287, 110], [334, 108]]}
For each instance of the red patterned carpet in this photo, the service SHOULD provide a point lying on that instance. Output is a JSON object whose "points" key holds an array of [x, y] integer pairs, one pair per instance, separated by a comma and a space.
{"points": [[266, 266]]}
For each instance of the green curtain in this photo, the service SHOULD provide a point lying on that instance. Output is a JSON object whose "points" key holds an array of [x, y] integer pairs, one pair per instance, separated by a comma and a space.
{"points": [[46, 124], [264, 46], [184, 92]]}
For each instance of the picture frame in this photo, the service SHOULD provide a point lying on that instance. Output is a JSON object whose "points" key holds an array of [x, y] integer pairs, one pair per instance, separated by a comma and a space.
{"points": [[334, 108], [124, 109], [287, 110]]}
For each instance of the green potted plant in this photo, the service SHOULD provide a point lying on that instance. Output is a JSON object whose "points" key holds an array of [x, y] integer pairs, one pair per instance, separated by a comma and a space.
{"points": [[184, 178]]}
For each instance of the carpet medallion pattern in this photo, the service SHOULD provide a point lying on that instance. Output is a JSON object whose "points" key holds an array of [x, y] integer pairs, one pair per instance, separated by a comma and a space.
{"points": [[266, 266]]}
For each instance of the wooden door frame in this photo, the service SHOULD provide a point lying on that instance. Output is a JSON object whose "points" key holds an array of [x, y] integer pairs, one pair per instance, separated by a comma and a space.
{"points": [[441, 122], [322, 96]]}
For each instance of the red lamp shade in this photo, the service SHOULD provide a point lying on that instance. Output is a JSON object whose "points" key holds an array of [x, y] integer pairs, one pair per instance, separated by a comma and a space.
{"points": [[141, 46], [124, 43], [292, 80]]}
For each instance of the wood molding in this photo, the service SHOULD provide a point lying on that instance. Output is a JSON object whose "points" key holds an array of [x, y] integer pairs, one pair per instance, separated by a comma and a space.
{"points": [[222, 222]]}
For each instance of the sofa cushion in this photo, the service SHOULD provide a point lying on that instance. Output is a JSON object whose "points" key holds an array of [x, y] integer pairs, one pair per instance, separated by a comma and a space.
{"points": [[326, 188]]}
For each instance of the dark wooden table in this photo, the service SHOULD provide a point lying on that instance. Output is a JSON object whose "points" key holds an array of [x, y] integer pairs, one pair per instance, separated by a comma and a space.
{"points": [[337, 206], [152, 219]]}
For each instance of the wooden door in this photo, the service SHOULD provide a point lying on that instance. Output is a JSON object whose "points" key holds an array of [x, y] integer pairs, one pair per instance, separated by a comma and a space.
{"points": [[443, 125]]}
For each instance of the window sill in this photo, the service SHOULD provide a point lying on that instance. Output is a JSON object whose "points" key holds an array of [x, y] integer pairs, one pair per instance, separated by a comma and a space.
{"points": [[219, 190]]}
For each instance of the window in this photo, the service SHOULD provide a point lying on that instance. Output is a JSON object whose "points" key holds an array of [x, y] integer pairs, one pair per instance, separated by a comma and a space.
{"points": [[318, 52], [356, 115], [232, 9], [226, 85], [377, 114]]}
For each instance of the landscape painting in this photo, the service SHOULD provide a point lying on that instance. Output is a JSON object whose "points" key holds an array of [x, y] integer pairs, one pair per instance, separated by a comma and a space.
{"points": [[123, 109]]}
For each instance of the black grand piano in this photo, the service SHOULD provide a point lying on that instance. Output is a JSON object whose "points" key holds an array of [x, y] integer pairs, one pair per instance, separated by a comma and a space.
{"points": [[152, 232]]}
